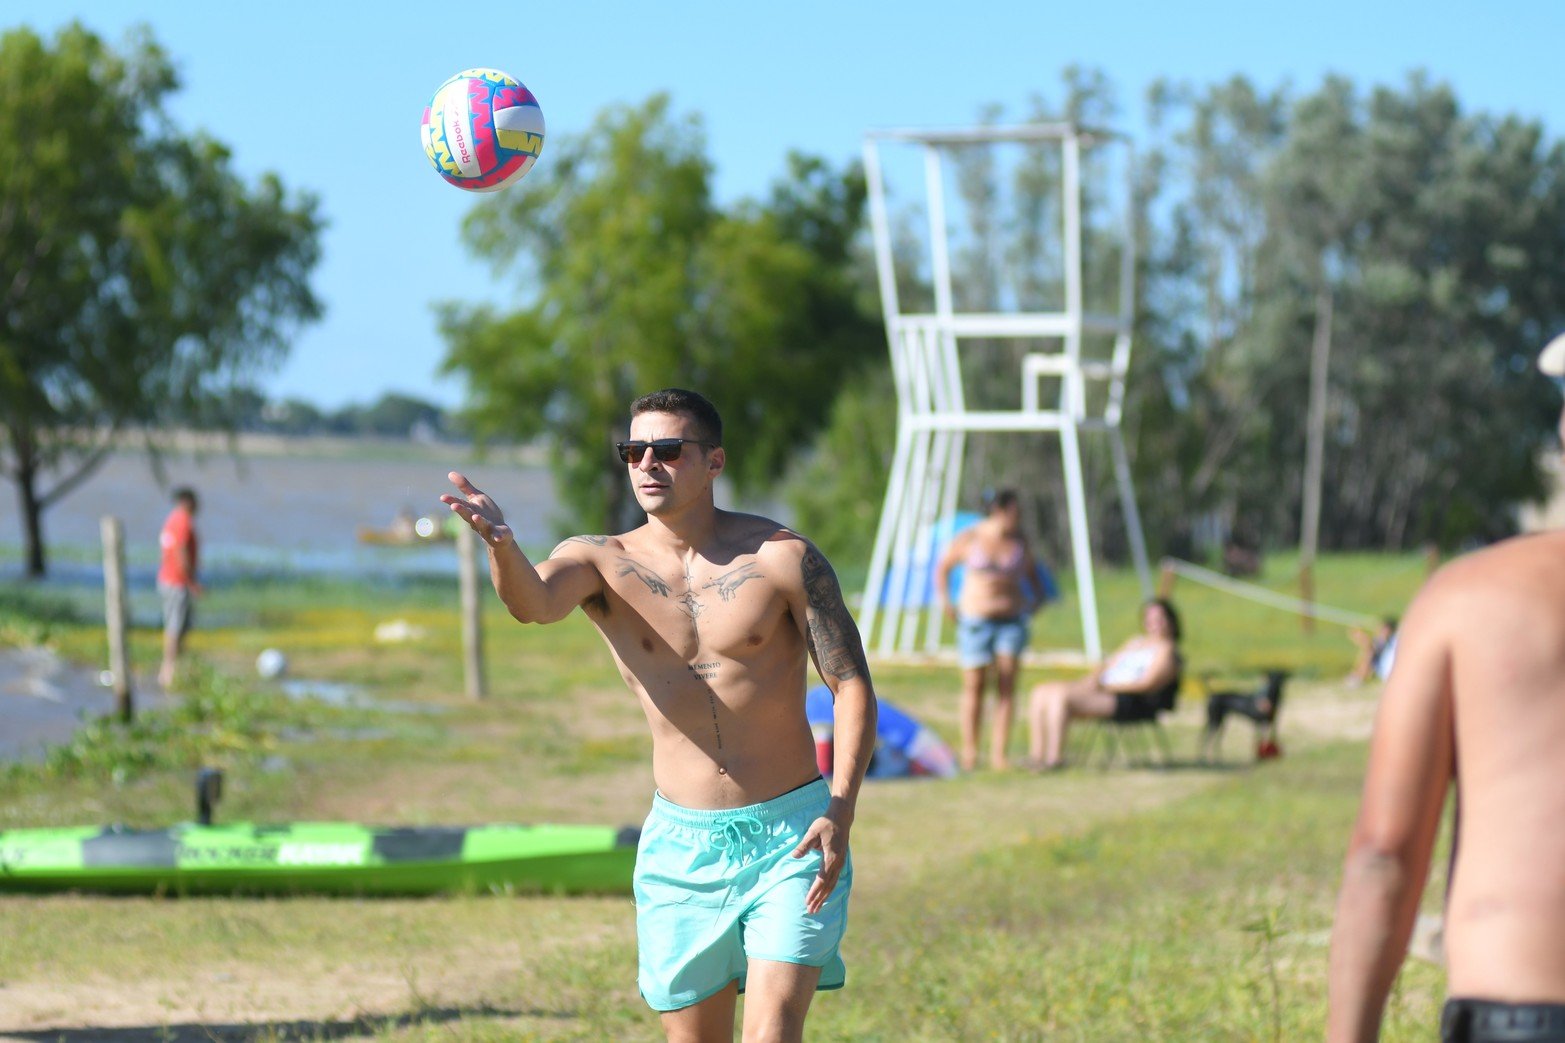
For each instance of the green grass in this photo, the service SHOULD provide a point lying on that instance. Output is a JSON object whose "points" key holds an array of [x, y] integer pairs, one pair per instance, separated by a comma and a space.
{"points": [[1092, 905]]}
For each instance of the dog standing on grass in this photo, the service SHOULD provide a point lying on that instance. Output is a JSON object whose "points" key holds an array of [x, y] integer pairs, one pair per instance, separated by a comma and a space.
{"points": [[1260, 706]]}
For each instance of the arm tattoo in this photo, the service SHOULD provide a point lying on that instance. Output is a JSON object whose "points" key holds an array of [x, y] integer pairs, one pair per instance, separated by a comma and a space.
{"points": [[596, 541], [731, 581], [654, 582], [832, 636]]}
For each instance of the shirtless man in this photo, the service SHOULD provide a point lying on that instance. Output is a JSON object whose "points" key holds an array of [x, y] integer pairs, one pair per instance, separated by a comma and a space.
{"points": [[1478, 695], [743, 872]]}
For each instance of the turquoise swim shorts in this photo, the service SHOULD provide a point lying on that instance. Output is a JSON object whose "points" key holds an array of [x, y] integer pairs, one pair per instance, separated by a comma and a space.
{"points": [[715, 889]]}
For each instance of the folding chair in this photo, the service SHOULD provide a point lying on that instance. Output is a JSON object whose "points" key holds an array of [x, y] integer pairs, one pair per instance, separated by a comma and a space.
{"points": [[1137, 738]]}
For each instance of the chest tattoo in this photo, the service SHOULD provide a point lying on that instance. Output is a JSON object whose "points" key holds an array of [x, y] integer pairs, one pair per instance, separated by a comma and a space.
{"points": [[705, 672], [654, 582], [732, 580], [690, 599]]}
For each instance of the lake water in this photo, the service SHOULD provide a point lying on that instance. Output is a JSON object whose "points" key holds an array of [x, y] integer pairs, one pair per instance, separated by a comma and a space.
{"points": [[289, 506]]}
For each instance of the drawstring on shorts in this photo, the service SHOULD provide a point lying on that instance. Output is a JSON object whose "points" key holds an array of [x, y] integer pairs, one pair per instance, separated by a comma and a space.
{"points": [[739, 836]]}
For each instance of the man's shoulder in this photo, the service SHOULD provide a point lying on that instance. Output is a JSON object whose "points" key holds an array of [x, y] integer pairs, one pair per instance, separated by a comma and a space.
{"points": [[587, 546], [1490, 595], [1518, 567], [754, 534]]}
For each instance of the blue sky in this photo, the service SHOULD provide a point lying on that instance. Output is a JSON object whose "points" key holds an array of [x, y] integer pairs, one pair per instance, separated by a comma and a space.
{"points": [[329, 95]]}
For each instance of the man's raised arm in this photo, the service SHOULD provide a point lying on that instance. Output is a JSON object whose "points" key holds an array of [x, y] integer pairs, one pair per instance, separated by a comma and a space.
{"points": [[542, 594]]}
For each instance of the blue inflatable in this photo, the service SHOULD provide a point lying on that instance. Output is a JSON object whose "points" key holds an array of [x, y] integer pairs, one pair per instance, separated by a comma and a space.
{"points": [[903, 746], [919, 590]]}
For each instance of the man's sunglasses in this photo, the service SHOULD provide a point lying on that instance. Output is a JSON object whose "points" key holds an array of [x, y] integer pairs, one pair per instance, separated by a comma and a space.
{"points": [[663, 449]]}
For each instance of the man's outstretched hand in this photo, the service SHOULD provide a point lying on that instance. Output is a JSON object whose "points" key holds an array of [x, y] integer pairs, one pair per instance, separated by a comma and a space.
{"points": [[479, 511]]}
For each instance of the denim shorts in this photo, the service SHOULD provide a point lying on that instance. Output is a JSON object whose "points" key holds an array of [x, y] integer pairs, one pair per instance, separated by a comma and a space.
{"points": [[978, 640], [716, 889]]}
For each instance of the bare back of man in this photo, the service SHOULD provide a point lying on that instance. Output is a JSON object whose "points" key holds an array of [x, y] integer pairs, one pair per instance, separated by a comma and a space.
{"points": [[1504, 623], [1478, 693]]}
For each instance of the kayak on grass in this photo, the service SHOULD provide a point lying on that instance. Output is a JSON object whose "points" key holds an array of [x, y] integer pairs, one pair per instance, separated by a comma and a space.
{"points": [[319, 858]]}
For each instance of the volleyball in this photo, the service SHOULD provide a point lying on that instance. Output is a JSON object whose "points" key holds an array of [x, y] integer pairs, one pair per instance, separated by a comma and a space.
{"points": [[482, 130], [271, 663]]}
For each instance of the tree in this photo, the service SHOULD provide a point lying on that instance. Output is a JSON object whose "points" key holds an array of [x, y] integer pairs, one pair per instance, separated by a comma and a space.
{"points": [[392, 415], [634, 280], [141, 280]]}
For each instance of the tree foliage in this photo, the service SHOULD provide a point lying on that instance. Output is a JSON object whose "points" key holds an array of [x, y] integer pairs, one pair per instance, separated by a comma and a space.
{"points": [[633, 279], [1436, 232], [142, 281]]}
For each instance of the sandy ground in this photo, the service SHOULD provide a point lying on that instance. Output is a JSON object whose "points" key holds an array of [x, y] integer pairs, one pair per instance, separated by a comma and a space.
{"points": [[319, 1002]]}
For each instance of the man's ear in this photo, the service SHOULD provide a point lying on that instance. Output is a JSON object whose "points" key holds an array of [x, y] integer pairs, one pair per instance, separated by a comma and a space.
{"points": [[715, 461]]}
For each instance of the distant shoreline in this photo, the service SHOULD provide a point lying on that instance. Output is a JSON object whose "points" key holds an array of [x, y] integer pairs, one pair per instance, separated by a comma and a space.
{"points": [[200, 444]]}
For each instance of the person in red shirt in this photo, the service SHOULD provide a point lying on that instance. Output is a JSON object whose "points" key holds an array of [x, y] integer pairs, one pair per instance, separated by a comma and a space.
{"points": [[177, 579]]}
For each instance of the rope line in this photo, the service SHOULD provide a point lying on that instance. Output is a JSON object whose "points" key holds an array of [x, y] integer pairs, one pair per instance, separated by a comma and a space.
{"points": [[1264, 596]]}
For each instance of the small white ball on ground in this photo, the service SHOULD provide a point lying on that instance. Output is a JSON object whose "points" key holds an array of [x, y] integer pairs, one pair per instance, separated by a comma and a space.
{"points": [[271, 664]]}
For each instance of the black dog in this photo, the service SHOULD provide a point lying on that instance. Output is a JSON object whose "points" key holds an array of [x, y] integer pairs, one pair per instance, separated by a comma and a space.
{"points": [[1260, 706]]}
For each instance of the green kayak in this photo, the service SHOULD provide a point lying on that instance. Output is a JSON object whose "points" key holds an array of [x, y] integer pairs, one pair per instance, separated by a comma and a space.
{"points": [[318, 858]]}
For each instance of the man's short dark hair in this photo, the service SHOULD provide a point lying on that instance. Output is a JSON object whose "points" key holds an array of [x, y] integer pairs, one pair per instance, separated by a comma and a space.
{"points": [[185, 495], [709, 426]]}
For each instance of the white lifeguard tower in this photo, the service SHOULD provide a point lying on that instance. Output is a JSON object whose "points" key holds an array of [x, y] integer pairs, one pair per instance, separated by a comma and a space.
{"points": [[1057, 380]]}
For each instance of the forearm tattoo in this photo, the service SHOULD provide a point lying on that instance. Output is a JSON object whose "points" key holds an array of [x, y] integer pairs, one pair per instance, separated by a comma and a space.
{"points": [[833, 637]]}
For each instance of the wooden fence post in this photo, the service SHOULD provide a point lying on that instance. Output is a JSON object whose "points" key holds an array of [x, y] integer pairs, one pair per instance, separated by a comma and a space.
{"points": [[115, 613], [472, 613], [1166, 579]]}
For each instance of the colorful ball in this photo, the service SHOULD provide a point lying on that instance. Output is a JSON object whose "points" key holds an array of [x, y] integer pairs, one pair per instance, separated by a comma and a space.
{"points": [[483, 130]]}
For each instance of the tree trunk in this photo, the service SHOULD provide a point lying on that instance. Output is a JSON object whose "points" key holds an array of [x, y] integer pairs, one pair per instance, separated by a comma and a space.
{"points": [[32, 512]]}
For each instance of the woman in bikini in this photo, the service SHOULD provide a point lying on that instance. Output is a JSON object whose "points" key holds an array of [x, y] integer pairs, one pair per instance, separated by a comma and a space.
{"points": [[1120, 690], [999, 593]]}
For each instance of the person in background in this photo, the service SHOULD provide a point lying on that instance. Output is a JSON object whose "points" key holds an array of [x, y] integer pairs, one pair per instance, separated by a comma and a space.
{"points": [[1377, 652], [177, 583], [999, 593], [1123, 689]]}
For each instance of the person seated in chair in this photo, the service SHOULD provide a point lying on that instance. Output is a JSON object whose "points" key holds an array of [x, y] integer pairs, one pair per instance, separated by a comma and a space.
{"points": [[1376, 652], [1122, 689]]}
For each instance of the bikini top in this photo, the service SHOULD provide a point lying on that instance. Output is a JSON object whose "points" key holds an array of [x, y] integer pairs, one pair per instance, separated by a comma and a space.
{"points": [[1008, 563]]}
